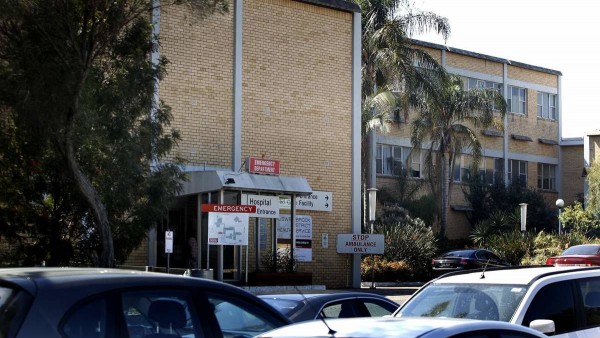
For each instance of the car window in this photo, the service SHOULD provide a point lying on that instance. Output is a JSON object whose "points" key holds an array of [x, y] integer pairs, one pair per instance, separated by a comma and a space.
{"points": [[237, 317], [160, 312], [378, 308], [590, 291], [475, 301], [582, 250], [13, 307], [554, 302], [87, 320], [332, 310], [285, 306]]}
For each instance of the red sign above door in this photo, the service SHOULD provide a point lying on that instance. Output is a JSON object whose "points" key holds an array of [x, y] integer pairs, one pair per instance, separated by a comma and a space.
{"points": [[263, 166]]}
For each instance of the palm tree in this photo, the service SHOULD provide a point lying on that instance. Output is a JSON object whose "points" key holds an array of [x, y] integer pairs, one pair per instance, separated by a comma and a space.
{"points": [[391, 67], [446, 120]]}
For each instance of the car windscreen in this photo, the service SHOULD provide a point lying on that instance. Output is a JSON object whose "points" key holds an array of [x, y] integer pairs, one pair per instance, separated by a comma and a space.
{"points": [[14, 304], [474, 301], [582, 250], [459, 253], [285, 306]]}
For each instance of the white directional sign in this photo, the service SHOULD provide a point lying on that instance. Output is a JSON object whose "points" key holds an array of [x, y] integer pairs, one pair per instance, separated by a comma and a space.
{"points": [[360, 244], [317, 201], [168, 241], [266, 206]]}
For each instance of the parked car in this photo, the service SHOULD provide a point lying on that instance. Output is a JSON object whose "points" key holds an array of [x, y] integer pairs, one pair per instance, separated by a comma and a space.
{"points": [[85, 303], [560, 300], [404, 328], [301, 307], [585, 255], [466, 259]]}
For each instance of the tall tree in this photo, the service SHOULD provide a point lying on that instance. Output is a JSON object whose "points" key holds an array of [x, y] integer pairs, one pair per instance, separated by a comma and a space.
{"points": [[76, 76], [392, 68], [448, 122]]}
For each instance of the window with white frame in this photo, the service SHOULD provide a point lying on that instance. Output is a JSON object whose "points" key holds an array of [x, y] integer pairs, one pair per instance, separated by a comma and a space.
{"points": [[462, 168], [546, 106], [390, 159], [491, 170], [415, 163], [516, 100], [546, 176], [517, 172], [482, 84]]}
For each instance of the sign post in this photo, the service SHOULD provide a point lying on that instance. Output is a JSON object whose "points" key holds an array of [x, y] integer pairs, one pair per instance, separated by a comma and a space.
{"points": [[168, 247]]}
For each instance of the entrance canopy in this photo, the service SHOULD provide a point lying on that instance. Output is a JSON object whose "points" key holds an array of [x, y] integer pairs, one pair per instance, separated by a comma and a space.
{"points": [[207, 181]]}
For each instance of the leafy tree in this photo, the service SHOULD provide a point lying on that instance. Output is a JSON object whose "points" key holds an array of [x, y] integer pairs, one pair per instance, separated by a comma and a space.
{"points": [[77, 81], [488, 199], [391, 67], [578, 219], [593, 180], [446, 120]]}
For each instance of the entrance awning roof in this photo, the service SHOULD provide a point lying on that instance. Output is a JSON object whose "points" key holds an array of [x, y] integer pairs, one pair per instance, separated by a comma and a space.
{"points": [[206, 181]]}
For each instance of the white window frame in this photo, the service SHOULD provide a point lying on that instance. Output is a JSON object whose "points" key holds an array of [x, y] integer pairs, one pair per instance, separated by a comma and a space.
{"points": [[546, 176], [522, 167], [518, 105], [416, 166], [473, 83], [383, 168], [462, 168], [546, 106], [491, 170]]}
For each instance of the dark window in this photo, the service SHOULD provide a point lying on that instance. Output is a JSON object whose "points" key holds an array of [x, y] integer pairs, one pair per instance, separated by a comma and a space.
{"points": [[546, 305], [379, 308], [590, 291], [13, 307], [87, 321]]}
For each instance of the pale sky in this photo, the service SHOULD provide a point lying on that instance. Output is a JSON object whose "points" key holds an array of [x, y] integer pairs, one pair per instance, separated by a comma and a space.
{"points": [[559, 35]]}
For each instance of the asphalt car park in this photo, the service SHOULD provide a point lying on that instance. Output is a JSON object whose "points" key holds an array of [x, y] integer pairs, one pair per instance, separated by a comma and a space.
{"points": [[87, 303]]}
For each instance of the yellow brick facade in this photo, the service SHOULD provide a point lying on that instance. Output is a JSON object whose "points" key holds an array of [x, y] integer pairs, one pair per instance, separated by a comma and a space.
{"points": [[572, 170], [542, 133], [296, 107]]}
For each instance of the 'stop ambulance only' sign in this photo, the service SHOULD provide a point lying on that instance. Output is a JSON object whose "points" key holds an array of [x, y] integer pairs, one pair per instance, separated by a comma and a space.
{"points": [[360, 244]]}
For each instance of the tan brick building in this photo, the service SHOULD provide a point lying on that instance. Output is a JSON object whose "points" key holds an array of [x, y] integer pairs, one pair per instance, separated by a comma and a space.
{"points": [[527, 148], [275, 82]]}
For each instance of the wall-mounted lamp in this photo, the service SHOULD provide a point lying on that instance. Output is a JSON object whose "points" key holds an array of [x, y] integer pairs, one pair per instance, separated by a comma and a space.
{"points": [[229, 181]]}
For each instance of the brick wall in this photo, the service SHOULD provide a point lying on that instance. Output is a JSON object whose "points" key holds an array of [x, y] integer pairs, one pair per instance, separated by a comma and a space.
{"points": [[473, 64], [571, 177]]}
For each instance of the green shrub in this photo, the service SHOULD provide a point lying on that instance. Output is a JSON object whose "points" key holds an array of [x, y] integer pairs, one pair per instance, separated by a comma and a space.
{"points": [[550, 244], [385, 271], [574, 217], [512, 246]]}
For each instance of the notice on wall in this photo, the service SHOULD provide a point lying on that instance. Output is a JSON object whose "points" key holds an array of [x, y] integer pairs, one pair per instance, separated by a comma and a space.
{"points": [[266, 206], [228, 228], [304, 227]]}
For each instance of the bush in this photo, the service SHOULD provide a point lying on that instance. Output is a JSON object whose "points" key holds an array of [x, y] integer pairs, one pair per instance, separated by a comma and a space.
{"points": [[512, 246], [581, 220], [548, 244], [408, 240], [389, 271]]}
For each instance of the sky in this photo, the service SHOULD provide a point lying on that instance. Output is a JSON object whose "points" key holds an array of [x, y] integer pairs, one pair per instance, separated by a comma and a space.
{"points": [[559, 35]]}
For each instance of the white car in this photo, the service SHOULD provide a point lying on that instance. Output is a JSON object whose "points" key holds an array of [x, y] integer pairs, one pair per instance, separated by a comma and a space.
{"points": [[404, 328], [563, 301]]}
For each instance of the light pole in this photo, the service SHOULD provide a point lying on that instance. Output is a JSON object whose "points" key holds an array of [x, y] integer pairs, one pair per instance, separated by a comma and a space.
{"points": [[372, 209], [523, 217], [559, 204]]}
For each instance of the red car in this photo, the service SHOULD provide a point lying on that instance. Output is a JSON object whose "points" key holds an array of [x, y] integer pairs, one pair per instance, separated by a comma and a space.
{"points": [[582, 255]]}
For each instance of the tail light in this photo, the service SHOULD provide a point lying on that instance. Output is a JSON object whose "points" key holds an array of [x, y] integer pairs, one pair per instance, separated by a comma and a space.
{"points": [[464, 261]]}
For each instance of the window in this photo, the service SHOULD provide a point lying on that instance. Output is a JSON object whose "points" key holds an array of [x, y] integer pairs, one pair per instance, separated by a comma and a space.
{"points": [[546, 106], [389, 159], [89, 320], [462, 168], [415, 163], [239, 318], [481, 84], [516, 100], [591, 300], [491, 170], [546, 176], [517, 172], [546, 305]]}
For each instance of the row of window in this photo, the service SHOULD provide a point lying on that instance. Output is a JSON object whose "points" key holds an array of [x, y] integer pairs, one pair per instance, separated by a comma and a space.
{"points": [[391, 160], [516, 98]]}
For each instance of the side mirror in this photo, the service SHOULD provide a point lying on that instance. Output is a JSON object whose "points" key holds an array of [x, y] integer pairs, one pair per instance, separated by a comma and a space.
{"points": [[543, 325]]}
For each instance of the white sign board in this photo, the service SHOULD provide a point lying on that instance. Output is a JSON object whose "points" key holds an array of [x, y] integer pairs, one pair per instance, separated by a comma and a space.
{"points": [[168, 241], [360, 244], [266, 206], [317, 201], [227, 228], [303, 248]]}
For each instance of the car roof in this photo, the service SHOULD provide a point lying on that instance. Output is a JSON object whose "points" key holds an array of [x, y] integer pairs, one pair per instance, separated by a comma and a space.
{"points": [[332, 295], [98, 279], [389, 327], [521, 275]]}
